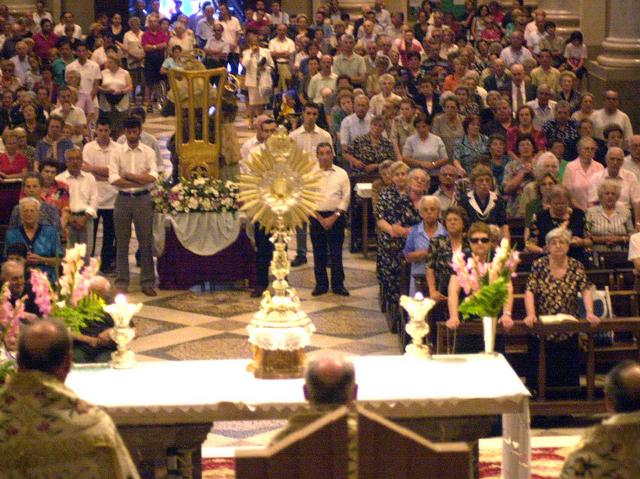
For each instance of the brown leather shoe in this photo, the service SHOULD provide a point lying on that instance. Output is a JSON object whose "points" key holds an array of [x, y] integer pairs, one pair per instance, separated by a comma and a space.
{"points": [[149, 291]]}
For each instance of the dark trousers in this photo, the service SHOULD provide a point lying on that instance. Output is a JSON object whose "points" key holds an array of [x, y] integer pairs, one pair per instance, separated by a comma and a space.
{"points": [[331, 241], [264, 254], [108, 252]]}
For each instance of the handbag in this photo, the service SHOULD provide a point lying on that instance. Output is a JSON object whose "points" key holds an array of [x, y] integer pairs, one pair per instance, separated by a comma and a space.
{"points": [[265, 83]]}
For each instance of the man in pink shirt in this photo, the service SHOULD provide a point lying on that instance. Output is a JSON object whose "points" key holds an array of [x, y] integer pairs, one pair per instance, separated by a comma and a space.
{"points": [[580, 172]]}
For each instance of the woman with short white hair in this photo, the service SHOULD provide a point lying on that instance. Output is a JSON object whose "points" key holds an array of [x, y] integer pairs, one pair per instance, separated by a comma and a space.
{"points": [[611, 225], [553, 287], [386, 82], [416, 248]]}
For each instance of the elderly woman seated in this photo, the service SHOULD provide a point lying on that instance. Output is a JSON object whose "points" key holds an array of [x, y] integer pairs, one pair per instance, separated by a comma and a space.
{"points": [[552, 288], [611, 224], [561, 214], [42, 240], [416, 249], [547, 163], [479, 236], [32, 188], [13, 163]]}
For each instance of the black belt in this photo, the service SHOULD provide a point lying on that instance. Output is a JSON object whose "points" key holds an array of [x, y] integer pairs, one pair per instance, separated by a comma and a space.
{"points": [[134, 194], [78, 213]]}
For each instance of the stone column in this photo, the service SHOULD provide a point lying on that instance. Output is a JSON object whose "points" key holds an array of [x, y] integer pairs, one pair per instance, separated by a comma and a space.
{"points": [[617, 67], [621, 48], [564, 13]]}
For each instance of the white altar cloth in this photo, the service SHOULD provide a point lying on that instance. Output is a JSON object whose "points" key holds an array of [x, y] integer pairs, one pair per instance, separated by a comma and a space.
{"points": [[201, 233], [364, 190], [177, 392]]}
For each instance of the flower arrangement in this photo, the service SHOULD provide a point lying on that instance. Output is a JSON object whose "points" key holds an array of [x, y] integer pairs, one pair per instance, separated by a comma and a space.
{"points": [[72, 301], [10, 315], [201, 195], [486, 285]]}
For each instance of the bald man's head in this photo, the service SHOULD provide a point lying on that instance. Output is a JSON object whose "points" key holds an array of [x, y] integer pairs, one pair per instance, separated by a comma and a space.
{"points": [[622, 387], [45, 346], [330, 379], [101, 286]]}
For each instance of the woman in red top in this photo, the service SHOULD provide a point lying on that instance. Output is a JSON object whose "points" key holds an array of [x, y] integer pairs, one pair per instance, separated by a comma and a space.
{"points": [[524, 117], [13, 164]]}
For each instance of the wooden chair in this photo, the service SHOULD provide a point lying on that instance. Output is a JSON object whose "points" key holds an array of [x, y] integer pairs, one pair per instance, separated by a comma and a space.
{"points": [[602, 277], [386, 450], [317, 451], [613, 259], [526, 260]]}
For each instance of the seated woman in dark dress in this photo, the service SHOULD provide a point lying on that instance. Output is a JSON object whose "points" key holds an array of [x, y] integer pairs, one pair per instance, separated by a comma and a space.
{"points": [[479, 236], [483, 204], [552, 288], [559, 213]]}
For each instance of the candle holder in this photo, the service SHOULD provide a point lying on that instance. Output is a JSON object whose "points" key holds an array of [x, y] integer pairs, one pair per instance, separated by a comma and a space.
{"points": [[122, 312], [417, 308]]}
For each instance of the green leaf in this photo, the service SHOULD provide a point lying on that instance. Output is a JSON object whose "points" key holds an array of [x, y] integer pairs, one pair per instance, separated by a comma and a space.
{"points": [[487, 301], [88, 310]]}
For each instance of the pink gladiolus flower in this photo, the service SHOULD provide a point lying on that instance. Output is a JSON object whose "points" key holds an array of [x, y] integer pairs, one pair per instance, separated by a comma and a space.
{"points": [[42, 291]]}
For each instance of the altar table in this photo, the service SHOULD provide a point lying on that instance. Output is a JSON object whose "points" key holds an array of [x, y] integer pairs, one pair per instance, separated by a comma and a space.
{"points": [[182, 393]]}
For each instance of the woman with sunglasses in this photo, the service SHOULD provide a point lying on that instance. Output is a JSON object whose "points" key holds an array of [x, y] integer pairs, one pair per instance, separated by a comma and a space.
{"points": [[552, 288], [483, 204], [479, 236]]}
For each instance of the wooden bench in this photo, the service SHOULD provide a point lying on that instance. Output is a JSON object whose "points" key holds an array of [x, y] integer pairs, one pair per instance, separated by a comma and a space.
{"points": [[594, 353]]}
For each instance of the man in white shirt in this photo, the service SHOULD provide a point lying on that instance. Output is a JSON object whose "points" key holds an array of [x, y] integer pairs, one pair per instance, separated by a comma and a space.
{"points": [[629, 185], [89, 70], [328, 223], [325, 78], [83, 201], [231, 35], [632, 160], [307, 137], [39, 15], [515, 53], [21, 61], [216, 48], [133, 172], [162, 166], [67, 19], [96, 156], [282, 49], [277, 16], [611, 114], [71, 115], [543, 106], [204, 30], [349, 63]]}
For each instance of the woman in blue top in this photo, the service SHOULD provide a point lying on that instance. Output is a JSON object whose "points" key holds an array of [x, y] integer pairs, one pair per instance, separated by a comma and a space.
{"points": [[42, 241], [416, 249]]}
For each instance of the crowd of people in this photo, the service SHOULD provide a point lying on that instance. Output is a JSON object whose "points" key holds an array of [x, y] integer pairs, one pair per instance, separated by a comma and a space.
{"points": [[465, 121]]}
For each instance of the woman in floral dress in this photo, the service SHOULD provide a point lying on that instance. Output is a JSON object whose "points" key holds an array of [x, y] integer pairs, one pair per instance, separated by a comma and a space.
{"points": [[396, 212]]}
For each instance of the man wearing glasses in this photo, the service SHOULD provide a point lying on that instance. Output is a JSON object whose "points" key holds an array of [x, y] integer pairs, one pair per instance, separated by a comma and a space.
{"points": [[611, 114]]}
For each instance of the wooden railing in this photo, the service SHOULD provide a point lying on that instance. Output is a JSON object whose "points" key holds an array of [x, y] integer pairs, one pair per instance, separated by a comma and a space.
{"points": [[541, 405]]}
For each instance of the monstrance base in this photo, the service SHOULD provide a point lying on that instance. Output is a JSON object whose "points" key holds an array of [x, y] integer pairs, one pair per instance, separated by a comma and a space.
{"points": [[277, 364]]}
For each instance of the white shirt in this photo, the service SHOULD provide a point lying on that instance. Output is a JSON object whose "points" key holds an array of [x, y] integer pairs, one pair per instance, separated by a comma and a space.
{"points": [[230, 34], [140, 159], [77, 31], [150, 141], [133, 44], [542, 116], [93, 154], [284, 46], [89, 73], [309, 140], [634, 246], [37, 18], [76, 117], [632, 166], [515, 92], [335, 190], [118, 81], [376, 106], [22, 67], [629, 191], [278, 19], [510, 57], [601, 119], [83, 192]]}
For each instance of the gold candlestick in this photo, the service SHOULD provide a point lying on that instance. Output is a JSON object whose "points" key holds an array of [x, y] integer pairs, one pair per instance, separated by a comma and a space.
{"points": [[417, 308], [122, 333]]}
